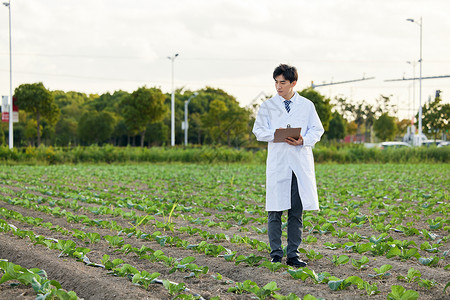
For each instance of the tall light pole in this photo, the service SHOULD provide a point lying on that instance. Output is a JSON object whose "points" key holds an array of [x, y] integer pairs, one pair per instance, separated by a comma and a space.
{"points": [[11, 136], [420, 79], [413, 63], [186, 103], [172, 131]]}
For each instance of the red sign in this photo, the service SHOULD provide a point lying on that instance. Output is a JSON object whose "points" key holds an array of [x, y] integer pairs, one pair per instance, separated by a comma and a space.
{"points": [[5, 116]]}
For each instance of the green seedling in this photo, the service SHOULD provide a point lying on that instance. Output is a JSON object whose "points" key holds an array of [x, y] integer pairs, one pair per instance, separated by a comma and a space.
{"points": [[340, 233], [125, 270], [412, 276], [93, 237], [311, 254], [332, 246], [144, 278], [266, 291], [251, 259], [400, 293], [109, 265], [242, 287], [382, 271], [362, 248], [425, 283], [114, 241], [174, 288], [339, 260], [292, 296], [273, 267], [381, 238], [430, 248], [336, 284], [310, 239], [371, 289], [361, 263], [431, 261]]}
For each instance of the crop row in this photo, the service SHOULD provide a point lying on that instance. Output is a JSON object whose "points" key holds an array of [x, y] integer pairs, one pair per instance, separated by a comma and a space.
{"points": [[117, 267], [214, 250], [382, 245]]}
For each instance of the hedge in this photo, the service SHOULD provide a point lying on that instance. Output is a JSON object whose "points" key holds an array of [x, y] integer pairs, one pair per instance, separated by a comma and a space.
{"points": [[210, 154]]}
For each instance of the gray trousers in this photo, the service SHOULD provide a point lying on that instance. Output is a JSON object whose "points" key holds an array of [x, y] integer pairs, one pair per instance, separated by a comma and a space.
{"points": [[294, 227]]}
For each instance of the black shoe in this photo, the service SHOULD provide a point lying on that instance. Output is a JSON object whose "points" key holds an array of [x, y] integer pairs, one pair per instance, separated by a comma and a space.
{"points": [[276, 259], [295, 262]]}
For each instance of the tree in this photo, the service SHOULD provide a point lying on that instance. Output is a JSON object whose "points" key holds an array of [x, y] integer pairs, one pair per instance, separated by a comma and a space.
{"points": [[96, 127], [36, 99], [337, 128], [435, 117], [322, 104], [143, 107], [385, 127], [370, 114], [73, 105], [225, 121]]}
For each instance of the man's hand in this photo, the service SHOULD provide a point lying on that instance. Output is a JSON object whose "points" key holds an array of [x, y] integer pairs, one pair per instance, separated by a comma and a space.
{"points": [[294, 142]]}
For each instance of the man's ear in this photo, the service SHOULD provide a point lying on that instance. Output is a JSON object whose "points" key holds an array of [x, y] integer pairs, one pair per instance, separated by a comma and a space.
{"points": [[294, 83]]}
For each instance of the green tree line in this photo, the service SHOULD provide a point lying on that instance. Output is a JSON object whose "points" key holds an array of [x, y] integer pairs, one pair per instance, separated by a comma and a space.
{"points": [[142, 118]]}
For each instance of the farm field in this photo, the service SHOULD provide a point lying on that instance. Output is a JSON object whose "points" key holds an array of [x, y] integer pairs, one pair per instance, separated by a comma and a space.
{"points": [[157, 231]]}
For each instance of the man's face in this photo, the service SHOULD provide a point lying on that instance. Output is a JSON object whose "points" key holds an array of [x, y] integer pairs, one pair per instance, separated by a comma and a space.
{"points": [[284, 88]]}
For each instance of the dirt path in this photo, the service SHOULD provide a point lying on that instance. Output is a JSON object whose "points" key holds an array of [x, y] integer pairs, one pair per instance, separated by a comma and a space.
{"points": [[87, 282]]}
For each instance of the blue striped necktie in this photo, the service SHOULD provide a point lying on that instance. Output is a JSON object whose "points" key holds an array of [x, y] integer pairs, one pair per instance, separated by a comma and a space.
{"points": [[286, 104]]}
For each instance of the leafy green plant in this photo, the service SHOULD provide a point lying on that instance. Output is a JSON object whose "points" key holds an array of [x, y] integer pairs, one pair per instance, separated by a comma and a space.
{"points": [[93, 237], [429, 261], [339, 260], [382, 271], [337, 284], [115, 240], [310, 239], [273, 267], [412, 276], [37, 278], [311, 254], [241, 287], [371, 289], [425, 283], [332, 246], [144, 278], [251, 259], [400, 293], [174, 288], [430, 248], [109, 265], [360, 263]]}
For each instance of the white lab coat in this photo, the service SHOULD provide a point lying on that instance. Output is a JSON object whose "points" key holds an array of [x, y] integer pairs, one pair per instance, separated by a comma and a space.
{"points": [[282, 158]]}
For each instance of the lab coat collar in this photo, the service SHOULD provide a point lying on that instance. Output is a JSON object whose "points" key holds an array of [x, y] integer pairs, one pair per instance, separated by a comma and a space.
{"points": [[295, 101]]}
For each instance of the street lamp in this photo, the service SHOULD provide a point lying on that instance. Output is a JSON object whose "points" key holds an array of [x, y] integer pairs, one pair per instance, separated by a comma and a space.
{"points": [[413, 64], [172, 131], [420, 79], [11, 141], [186, 103]]}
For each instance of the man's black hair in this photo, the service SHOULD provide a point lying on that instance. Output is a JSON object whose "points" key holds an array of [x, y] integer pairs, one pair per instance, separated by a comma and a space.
{"points": [[288, 72]]}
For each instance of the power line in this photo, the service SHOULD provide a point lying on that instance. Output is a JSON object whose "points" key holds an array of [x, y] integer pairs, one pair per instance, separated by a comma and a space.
{"points": [[430, 77], [239, 59]]}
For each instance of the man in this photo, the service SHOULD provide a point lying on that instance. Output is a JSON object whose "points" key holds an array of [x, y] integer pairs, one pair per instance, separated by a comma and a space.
{"points": [[290, 177]]}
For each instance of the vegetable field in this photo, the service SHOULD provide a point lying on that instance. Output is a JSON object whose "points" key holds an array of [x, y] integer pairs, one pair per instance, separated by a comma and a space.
{"points": [[186, 231]]}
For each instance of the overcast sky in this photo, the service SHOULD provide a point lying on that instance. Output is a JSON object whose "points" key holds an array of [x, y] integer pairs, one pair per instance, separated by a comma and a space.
{"points": [[98, 46]]}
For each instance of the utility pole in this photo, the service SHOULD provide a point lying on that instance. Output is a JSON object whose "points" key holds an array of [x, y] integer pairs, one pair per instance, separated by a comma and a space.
{"points": [[172, 123], [11, 135]]}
